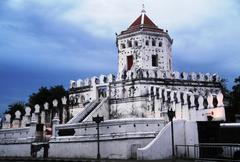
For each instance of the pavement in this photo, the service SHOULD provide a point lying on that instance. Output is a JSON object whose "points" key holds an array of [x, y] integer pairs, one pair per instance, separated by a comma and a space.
{"points": [[85, 160]]}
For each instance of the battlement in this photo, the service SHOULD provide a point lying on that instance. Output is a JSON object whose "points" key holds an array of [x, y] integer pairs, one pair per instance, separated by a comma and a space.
{"points": [[145, 74], [158, 74], [93, 81]]}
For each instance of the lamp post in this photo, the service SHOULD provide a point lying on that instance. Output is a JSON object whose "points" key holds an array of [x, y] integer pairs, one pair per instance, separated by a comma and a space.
{"points": [[171, 115], [98, 119]]}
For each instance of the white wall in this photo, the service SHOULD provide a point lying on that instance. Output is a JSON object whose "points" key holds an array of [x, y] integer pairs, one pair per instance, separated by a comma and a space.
{"points": [[109, 149], [161, 147], [15, 150], [119, 138]]}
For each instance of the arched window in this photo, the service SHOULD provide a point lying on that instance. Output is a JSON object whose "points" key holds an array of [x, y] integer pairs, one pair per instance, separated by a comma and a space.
{"points": [[153, 42], [147, 43], [160, 44], [136, 43], [129, 43]]}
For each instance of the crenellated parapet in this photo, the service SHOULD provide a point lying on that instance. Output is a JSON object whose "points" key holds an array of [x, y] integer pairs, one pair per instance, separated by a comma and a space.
{"points": [[196, 76], [158, 74], [93, 81]]}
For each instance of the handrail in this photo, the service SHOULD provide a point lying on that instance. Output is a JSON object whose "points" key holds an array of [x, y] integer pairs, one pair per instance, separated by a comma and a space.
{"points": [[209, 151], [80, 116]]}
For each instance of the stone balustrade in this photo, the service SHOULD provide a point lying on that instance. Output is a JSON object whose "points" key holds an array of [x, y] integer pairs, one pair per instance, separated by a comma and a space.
{"points": [[193, 107], [38, 116], [18, 134]]}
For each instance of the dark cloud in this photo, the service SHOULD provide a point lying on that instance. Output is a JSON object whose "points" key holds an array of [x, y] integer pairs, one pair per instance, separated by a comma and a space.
{"points": [[45, 43]]}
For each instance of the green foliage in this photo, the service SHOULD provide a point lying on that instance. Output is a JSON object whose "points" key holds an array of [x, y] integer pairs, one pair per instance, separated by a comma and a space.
{"points": [[47, 95], [235, 95], [12, 108], [224, 86], [43, 95]]}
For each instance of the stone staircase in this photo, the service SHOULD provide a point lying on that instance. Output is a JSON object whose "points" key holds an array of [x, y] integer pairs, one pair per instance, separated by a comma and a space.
{"points": [[79, 117]]}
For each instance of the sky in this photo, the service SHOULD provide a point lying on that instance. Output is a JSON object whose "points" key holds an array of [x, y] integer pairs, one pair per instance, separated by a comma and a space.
{"points": [[50, 42]]}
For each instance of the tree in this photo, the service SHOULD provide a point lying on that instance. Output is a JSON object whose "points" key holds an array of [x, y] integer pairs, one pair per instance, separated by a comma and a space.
{"points": [[41, 97], [12, 108], [48, 95], [235, 95], [224, 86]]}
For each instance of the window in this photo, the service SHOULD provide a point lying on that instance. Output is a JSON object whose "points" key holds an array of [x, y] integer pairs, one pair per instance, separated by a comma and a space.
{"points": [[136, 43], [129, 43], [153, 42], [129, 62], [82, 99], [157, 93], [170, 65], [147, 43], [160, 44], [154, 60], [123, 46]]}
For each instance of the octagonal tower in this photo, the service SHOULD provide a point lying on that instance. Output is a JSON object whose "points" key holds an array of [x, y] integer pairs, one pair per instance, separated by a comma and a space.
{"points": [[144, 46]]}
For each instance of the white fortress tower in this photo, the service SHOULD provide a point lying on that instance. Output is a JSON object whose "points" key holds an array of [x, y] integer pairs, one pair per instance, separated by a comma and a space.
{"points": [[134, 105], [145, 85], [144, 46]]}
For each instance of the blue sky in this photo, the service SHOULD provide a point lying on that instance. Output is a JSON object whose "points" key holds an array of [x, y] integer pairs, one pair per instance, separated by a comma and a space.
{"points": [[49, 42]]}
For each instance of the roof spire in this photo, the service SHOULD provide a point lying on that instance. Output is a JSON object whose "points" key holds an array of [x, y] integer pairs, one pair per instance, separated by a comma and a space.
{"points": [[143, 13], [143, 9]]}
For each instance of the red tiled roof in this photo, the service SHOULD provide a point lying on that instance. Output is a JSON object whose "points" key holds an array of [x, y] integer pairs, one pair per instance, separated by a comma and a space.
{"points": [[146, 25], [147, 22]]}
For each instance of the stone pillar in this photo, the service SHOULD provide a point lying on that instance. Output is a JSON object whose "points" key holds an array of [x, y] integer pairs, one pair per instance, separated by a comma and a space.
{"points": [[55, 122], [95, 90], [47, 113], [37, 112], [55, 104], [165, 95], [64, 115], [43, 117], [33, 127], [17, 121], [7, 122], [178, 109], [173, 102], [220, 99], [210, 101], [185, 110], [27, 117], [200, 112], [200, 103], [193, 115], [158, 103]]}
